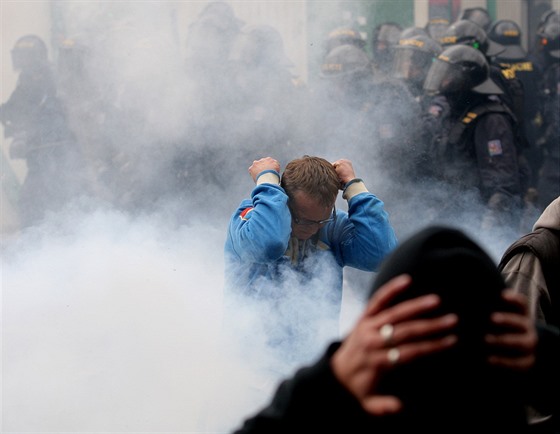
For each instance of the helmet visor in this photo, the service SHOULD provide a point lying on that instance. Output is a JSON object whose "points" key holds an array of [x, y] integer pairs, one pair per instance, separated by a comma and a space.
{"points": [[444, 77], [411, 64]]}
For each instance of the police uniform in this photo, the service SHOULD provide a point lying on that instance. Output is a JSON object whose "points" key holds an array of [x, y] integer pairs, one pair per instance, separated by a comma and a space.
{"points": [[478, 151]]}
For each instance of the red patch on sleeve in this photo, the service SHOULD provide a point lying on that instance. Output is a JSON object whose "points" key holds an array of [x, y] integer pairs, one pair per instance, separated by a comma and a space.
{"points": [[245, 212]]}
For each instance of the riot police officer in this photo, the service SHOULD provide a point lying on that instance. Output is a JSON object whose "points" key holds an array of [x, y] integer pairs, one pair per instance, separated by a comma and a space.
{"points": [[342, 36], [514, 59], [35, 120], [436, 27], [469, 33], [384, 38], [413, 58], [478, 153], [477, 15]]}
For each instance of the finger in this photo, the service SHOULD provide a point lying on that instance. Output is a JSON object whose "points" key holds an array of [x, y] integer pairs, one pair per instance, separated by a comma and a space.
{"points": [[410, 331], [514, 363], [386, 293], [414, 350], [516, 300], [510, 321], [380, 405], [406, 310], [513, 342]]}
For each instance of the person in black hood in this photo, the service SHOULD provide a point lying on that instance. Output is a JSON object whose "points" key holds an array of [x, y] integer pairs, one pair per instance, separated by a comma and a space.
{"points": [[440, 347]]}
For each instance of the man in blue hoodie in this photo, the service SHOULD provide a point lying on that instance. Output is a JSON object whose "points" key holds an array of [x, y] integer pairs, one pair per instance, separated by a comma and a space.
{"points": [[286, 248]]}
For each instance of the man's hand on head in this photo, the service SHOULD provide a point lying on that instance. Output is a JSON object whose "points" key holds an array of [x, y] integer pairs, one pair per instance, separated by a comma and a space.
{"points": [[266, 163], [344, 170]]}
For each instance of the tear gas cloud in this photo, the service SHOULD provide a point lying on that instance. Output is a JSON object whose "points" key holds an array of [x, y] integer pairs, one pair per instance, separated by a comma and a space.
{"points": [[114, 324], [112, 306]]}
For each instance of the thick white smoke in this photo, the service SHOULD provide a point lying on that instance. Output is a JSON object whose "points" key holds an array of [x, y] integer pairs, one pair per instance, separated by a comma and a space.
{"points": [[112, 310], [113, 324]]}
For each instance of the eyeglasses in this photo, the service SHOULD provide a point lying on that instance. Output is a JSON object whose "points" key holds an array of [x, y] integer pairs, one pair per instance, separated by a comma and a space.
{"points": [[305, 222]]}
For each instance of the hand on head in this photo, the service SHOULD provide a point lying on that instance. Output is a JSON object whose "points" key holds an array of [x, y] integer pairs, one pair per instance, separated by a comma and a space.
{"points": [[266, 163], [386, 336], [344, 170], [367, 352], [515, 344]]}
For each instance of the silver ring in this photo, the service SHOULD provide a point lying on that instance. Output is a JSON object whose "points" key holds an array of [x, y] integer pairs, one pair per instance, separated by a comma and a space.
{"points": [[386, 332], [393, 355]]}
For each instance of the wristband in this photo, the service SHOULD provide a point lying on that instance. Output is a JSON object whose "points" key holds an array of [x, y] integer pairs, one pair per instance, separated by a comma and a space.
{"points": [[352, 181], [264, 172], [353, 187]]}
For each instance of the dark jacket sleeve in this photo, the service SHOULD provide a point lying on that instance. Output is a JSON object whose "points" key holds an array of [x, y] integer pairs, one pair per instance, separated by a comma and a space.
{"points": [[545, 377], [496, 153], [311, 401]]}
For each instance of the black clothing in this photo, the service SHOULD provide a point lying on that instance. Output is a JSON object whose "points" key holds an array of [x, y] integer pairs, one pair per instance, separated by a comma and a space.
{"points": [[457, 391], [479, 153], [34, 117], [549, 142], [528, 106]]}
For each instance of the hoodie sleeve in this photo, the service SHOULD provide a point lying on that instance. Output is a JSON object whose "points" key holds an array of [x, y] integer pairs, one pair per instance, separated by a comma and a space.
{"points": [[362, 237], [259, 230]]}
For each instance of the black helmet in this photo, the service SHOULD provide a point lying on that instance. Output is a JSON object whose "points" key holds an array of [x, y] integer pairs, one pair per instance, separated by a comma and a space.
{"points": [[414, 56], [388, 33], [260, 45], [29, 52], [508, 34], [411, 32], [477, 15], [550, 16], [384, 38], [436, 27], [343, 36], [550, 38], [345, 61], [209, 39], [224, 12], [466, 32], [458, 69]]}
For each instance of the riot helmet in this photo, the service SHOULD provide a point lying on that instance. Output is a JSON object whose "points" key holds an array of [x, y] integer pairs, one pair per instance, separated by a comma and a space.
{"points": [[209, 40], [345, 61], [550, 39], [343, 36], [384, 38], [29, 53], [413, 58], [460, 69], [466, 32], [224, 12], [411, 32], [550, 16], [508, 34], [347, 72], [436, 27], [478, 16], [260, 45]]}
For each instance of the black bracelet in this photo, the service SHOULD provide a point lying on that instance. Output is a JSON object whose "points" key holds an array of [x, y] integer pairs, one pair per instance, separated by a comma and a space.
{"points": [[267, 171], [352, 181]]}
